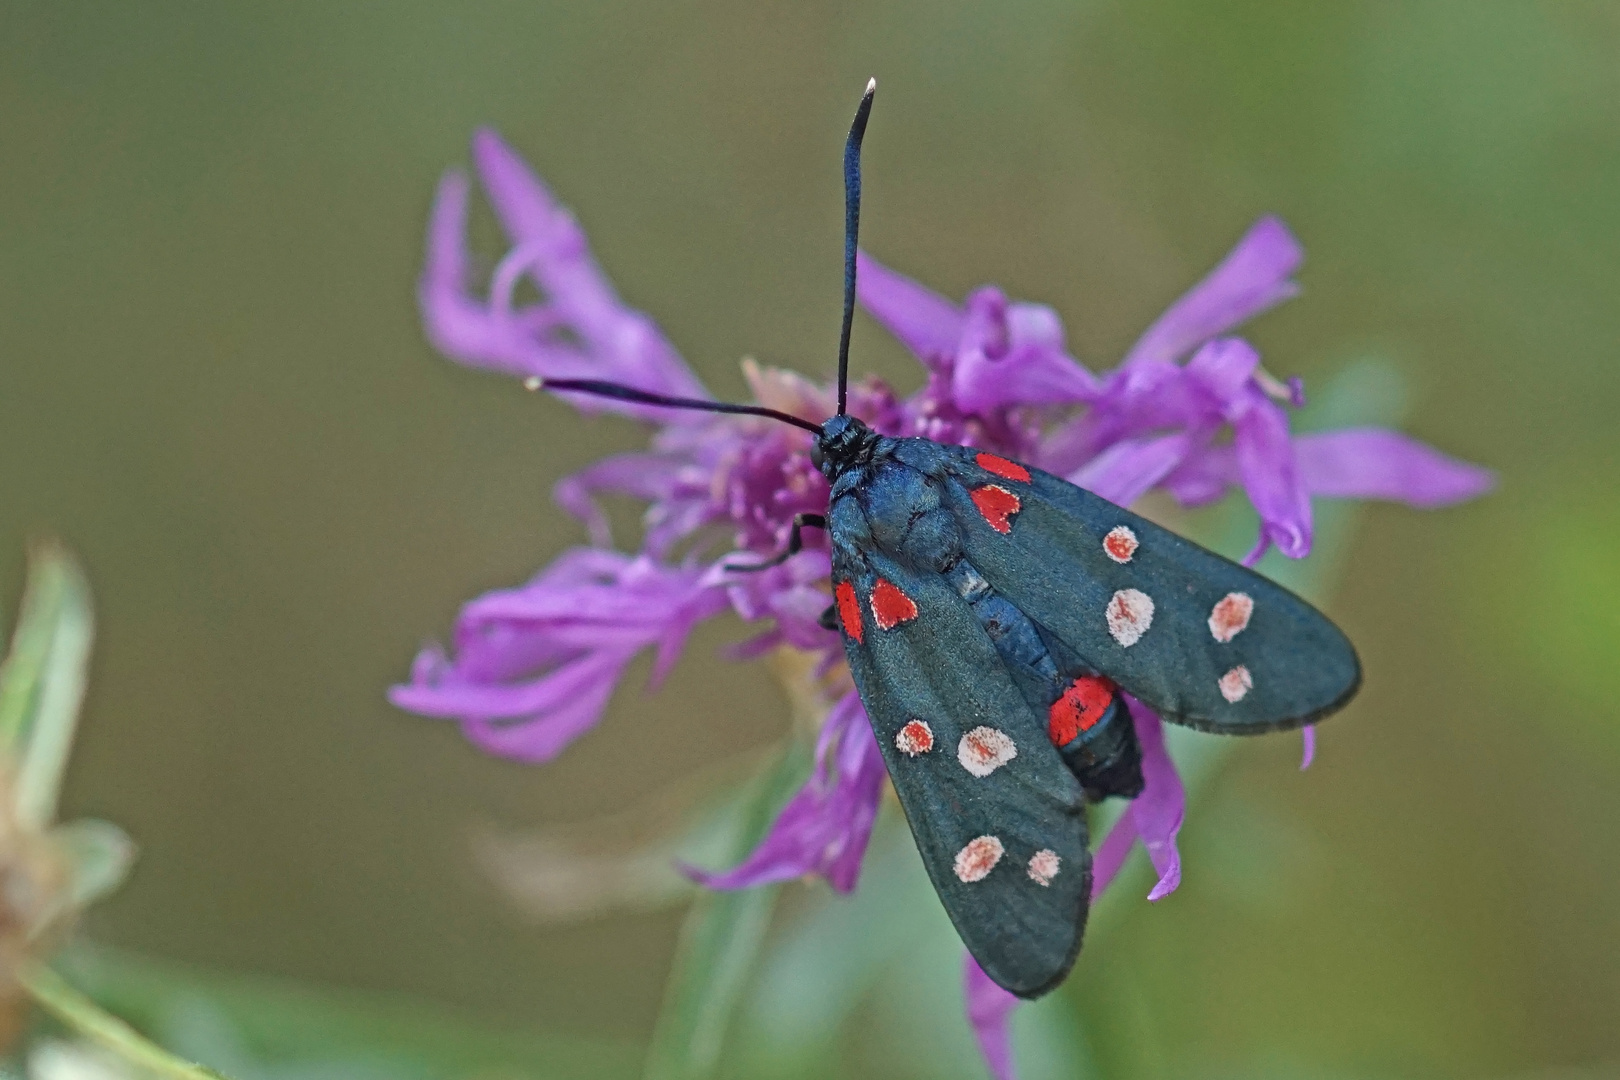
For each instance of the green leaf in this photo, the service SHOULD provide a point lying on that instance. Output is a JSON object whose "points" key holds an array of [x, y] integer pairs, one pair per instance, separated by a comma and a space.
{"points": [[720, 945], [284, 1027], [42, 680], [91, 1021], [99, 855]]}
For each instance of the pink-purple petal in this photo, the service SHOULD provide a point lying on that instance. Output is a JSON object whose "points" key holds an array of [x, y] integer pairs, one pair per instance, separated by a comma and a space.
{"points": [[1130, 468], [648, 477], [534, 666], [1026, 372], [522, 203], [455, 323], [922, 320], [560, 258], [1204, 475], [1374, 463], [1154, 817], [989, 1013], [581, 328], [540, 738], [1265, 460], [1158, 812], [1308, 750], [459, 699], [1221, 370], [825, 827], [861, 775], [1254, 276]]}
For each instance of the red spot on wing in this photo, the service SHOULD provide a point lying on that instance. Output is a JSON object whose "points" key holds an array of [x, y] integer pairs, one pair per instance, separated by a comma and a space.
{"points": [[1120, 544], [1231, 616], [915, 738], [1079, 709], [890, 606], [849, 611], [1002, 467], [997, 505]]}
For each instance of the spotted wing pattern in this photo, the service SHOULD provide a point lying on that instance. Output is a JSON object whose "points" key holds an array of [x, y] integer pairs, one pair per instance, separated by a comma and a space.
{"points": [[998, 818], [1201, 640]]}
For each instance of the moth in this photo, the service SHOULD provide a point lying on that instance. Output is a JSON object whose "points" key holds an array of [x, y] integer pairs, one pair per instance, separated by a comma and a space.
{"points": [[994, 617]]}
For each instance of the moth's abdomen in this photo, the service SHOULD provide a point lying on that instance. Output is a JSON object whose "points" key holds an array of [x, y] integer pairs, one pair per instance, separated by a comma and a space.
{"points": [[1105, 756], [1086, 718]]}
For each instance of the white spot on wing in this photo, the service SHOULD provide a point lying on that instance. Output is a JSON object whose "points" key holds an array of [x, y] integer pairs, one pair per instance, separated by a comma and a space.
{"points": [[1120, 544], [915, 738], [984, 750], [1230, 617], [1043, 867], [977, 858], [1130, 613], [1235, 684]]}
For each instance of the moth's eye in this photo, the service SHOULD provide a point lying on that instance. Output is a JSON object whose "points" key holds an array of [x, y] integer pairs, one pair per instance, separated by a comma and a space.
{"points": [[816, 456]]}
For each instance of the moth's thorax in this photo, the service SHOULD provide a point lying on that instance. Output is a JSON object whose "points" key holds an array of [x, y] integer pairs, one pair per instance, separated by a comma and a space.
{"points": [[906, 518], [844, 444]]}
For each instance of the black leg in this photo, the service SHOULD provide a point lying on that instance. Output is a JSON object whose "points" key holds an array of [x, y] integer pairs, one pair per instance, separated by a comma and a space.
{"points": [[794, 546], [828, 620]]}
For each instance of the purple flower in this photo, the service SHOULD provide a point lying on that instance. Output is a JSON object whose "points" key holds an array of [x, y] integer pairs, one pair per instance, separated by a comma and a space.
{"points": [[1189, 410], [824, 828], [1154, 817], [989, 1011], [535, 665], [581, 330]]}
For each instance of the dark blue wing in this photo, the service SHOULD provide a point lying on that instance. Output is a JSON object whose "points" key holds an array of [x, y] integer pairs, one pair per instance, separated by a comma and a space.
{"points": [[1198, 638], [999, 820]]}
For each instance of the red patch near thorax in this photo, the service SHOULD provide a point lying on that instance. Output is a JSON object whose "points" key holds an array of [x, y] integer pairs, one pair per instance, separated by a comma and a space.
{"points": [[849, 610], [890, 606], [1002, 467], [1079, 709], [997, 505]]}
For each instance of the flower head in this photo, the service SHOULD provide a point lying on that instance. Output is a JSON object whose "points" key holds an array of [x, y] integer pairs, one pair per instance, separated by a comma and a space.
{"points": [[1189, 410]]}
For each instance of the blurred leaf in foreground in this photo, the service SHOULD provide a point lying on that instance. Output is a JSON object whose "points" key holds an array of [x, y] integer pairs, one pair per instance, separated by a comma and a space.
{"points": [[257, 1028], [51, 872]]}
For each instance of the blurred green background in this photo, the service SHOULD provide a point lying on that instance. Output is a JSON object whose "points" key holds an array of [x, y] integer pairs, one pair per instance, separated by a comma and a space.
{"points": [[214, 386]]}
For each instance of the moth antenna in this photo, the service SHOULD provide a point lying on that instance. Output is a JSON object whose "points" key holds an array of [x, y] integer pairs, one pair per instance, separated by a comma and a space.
{"points": [[852, 226], [620, 392]]}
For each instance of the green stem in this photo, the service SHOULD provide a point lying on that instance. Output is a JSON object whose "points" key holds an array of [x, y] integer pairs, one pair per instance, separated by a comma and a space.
{"points": [[90, 1020], [719, 946]]}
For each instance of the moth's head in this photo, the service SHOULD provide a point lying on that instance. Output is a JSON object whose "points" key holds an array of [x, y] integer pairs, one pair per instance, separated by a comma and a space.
{"points": [[844, 443]]}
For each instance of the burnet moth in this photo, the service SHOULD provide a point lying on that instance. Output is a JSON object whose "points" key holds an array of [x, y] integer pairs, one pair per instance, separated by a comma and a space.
{"points": [[992, 615]]}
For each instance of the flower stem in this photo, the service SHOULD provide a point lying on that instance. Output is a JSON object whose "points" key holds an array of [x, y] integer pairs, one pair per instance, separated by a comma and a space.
{"points": [[91, 1021], [720, 945]]}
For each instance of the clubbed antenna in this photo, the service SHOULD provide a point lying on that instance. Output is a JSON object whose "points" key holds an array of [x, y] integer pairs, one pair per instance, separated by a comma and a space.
{"points": [[618, 392], [852, 226]]}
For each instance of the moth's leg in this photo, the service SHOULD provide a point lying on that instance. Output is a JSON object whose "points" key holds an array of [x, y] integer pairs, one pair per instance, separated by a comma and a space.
{"points": [[828, 620], [794, 546]]}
